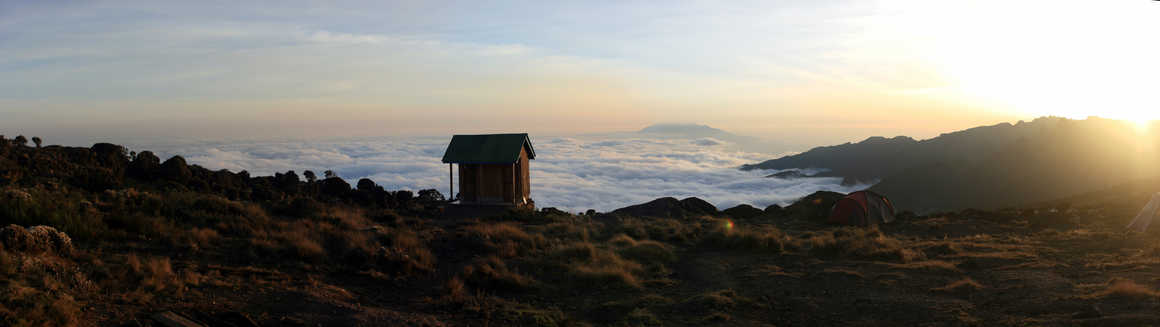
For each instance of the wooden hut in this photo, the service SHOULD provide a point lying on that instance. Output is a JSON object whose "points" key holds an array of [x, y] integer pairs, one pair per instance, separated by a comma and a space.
{"points": [[493, 169]]}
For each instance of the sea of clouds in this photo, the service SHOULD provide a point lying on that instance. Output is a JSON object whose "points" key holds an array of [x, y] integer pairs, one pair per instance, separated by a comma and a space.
{"points": [[569, 173]]}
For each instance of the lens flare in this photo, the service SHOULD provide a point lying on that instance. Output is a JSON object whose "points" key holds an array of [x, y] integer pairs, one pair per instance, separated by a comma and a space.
{"points": [[729, 225]]}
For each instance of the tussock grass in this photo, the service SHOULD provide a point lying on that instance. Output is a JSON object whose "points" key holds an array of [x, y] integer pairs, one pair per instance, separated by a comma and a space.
{"points": [[668, 230], [503, 239], [645, 251], [844, 272], [761, 238], [928, 265], [867, 243], [716, 304], [965, 285], [1125, 288], [28, 306], [493, 274], [622, 240], [766, 271], [567, 231], [154, 274], [586, 264]]}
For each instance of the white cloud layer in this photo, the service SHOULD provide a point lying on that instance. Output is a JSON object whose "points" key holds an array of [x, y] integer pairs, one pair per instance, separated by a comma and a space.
{"points": [[573, 174]]}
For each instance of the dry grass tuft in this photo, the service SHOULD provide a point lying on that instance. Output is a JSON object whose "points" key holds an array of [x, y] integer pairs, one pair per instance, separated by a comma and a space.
{"points": [[26, 306], [844, 272], [965, 285], [716, 303], [1126, 288], [493, 274], [504, 239], [670, 230], [586, 264], [154, 274], [648, 252], [622, 240], [928, 265], [867, 243], [748, 238]]}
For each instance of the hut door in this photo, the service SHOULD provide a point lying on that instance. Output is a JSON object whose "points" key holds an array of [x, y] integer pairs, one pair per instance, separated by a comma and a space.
{"points": [[519, 183]]}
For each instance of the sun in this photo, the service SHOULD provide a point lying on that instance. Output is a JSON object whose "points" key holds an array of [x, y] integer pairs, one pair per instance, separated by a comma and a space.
{"points": [[1143, 125], [1052, 67]]}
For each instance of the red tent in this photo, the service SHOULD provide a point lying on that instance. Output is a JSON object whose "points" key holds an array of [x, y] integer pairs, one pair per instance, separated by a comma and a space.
{"points": [[862, 208]]}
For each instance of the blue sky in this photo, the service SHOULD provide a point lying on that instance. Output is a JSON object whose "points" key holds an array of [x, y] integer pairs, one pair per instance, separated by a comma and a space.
{"points": [[804, 71]]}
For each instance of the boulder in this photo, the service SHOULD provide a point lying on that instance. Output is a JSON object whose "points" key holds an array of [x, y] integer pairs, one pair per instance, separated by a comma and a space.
{"points": [[666, 207], [335, 186], [669, 207], [176, 169], [365, 185], [110, 153], [552, 211], [145, 164]]}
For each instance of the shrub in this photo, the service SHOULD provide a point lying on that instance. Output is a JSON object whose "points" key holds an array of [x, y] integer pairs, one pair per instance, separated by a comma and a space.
{"points": [[430, 196]]}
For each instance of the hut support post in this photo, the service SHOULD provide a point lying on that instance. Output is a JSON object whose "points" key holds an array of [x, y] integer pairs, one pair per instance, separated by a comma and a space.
{"points": [[451, 182]]}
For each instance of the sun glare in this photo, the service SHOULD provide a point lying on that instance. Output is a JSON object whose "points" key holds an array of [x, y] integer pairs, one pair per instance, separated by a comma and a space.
{"points": [[1032, 58], [1143, 126]]}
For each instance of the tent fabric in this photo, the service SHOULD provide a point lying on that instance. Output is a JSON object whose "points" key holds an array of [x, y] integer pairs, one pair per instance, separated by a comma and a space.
{"points": [[862, 208], [487, 149], [1146, 215]]}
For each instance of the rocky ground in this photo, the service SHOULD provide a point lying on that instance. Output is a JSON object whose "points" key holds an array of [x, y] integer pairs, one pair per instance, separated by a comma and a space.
{"points": [[119, 252]]}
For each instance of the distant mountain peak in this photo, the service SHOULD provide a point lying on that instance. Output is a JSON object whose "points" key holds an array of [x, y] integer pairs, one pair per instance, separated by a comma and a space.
{"points": [[883, 140], [682, 129]]}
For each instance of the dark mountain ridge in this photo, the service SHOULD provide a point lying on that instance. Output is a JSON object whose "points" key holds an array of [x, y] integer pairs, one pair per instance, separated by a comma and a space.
{"points": [[991, 166]]}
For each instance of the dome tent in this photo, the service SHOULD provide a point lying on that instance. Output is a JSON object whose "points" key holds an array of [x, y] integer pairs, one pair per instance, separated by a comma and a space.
{"points": [[862, 208], [1146, 215]]}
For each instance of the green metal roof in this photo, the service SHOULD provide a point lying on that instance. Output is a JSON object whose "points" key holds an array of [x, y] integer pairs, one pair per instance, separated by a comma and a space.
{"points": [[487, 149]]}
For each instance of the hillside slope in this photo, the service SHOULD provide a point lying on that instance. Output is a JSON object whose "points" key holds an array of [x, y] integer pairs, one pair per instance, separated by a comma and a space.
{"points": [[991, 166], [1073, 158]]}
